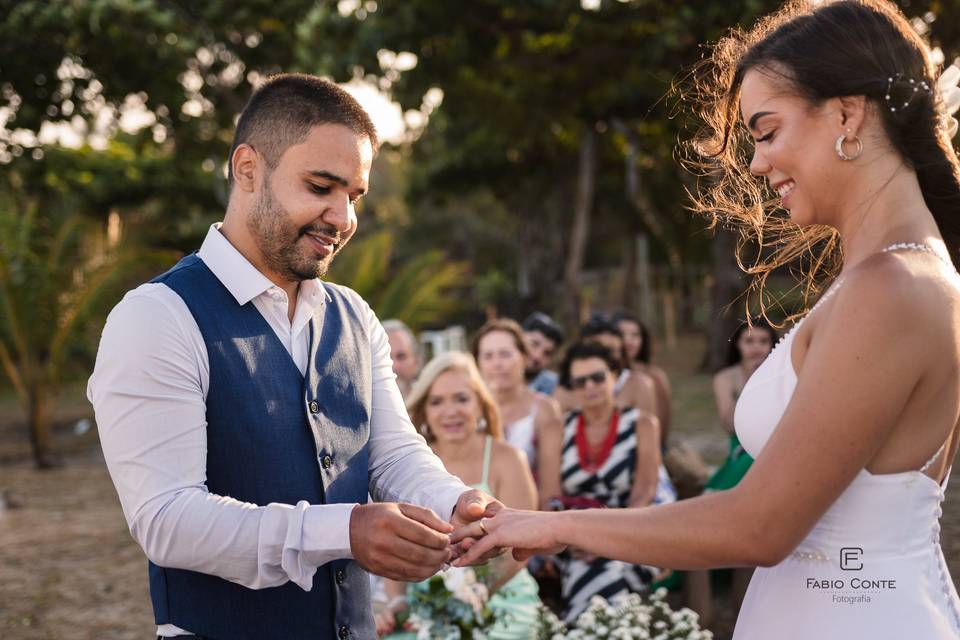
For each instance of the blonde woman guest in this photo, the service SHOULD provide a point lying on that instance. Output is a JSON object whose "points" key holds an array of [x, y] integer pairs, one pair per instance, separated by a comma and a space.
{"points": [[460, 420], [852, 421], [528, 416]]}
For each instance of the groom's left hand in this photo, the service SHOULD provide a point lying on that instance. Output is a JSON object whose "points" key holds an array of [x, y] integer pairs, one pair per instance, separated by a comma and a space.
{"points": [[472, 506]]}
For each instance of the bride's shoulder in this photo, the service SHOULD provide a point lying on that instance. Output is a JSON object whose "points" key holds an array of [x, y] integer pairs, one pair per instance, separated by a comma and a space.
{"points": [[898, 290]]}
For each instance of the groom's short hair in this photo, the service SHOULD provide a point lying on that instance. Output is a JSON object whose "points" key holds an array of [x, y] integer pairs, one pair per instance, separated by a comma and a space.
{"points": [[282, 110]]}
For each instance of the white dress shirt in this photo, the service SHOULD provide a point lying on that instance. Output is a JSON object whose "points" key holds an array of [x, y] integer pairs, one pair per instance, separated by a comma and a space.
{"points": [[149, 389]]}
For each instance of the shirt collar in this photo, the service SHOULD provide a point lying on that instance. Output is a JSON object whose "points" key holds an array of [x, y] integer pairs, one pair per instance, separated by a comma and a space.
{"points": [[243, 280]]}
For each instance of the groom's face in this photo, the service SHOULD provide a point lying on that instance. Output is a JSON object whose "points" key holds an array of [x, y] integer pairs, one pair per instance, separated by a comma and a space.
{"points": [[304, 213]]}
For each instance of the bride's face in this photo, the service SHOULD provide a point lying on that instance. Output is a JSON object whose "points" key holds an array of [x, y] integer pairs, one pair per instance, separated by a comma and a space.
{"points": [[453, 408], [794, 146]]}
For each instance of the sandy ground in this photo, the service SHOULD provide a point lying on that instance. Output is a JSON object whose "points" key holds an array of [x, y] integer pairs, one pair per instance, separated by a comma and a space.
{"points": [[68, 567], [70, 571]]}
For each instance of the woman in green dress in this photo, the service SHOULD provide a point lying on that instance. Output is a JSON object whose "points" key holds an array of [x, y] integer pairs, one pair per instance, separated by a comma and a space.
{"points": [[749, 347], [458, 416]]}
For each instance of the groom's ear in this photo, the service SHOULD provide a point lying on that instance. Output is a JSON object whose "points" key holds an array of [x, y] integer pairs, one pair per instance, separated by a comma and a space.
{"points": [[244, 163]]}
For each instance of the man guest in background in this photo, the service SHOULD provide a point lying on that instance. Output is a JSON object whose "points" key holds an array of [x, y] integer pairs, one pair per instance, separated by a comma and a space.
{"points": [[542, 337], [405, 351]]}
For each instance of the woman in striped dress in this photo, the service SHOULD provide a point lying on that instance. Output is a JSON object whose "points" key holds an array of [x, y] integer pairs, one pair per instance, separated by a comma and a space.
{"points": [[609, 458]]}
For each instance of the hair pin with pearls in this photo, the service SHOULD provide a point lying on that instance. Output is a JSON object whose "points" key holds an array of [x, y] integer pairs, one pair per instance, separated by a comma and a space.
{"points": [[913, 87], [946, 87]]}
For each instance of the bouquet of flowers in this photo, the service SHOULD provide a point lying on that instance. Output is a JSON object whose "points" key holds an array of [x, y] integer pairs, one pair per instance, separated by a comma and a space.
{"points": [[626, 617], [451, 605]]}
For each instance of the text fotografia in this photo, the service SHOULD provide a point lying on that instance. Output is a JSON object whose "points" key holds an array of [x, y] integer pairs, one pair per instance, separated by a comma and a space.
{"points": [[841, 599], [863, 585]]}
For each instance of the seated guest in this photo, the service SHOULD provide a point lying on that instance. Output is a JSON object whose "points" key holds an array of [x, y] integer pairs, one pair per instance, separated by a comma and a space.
{"points": [[630, 389], [502, 358], [638, 346], [606, 457], [542, 337], [405, 353], [460, 420]]}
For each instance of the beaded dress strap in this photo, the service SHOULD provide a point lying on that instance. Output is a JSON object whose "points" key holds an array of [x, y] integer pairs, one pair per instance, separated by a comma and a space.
{"points": [[930, 462], [916, 246], [919, 246], [897, 246]]}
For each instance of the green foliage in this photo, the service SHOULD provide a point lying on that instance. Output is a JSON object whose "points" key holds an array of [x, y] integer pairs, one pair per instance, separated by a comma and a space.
{"points": [[452, 605], [422, 290], [521, 83], [56, 277]]}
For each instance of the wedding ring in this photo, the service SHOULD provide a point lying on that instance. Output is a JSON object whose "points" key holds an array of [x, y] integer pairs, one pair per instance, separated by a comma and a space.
{"points": [[483, 527]]}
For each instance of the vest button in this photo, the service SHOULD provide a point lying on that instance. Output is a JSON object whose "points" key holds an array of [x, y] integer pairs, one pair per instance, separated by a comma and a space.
{"points": [[341, 576], [344, 632], [314, 406], [326, 461]]}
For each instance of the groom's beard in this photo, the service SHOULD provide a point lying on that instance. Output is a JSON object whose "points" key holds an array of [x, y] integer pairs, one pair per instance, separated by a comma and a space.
{"points": [[283, 244]]}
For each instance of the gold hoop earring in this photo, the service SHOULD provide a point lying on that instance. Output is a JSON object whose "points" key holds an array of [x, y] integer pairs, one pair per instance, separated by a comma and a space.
{"points": [[856, 154]]}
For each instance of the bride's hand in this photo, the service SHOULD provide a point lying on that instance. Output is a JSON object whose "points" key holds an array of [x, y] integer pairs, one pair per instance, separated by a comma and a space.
{"points": [[529, 533]]}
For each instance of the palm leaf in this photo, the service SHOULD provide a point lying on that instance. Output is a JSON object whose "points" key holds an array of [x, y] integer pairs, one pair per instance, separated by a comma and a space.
{"points": [[365, 265], [97, 284], [418, 293]]}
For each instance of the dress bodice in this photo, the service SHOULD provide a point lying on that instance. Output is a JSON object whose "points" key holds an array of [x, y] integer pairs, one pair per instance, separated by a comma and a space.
{"points": [[872, 565], [897, 511]]}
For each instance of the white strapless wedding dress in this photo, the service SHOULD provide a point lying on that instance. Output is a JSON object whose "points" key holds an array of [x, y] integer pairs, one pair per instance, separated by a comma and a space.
{"points": [[872, 566]]}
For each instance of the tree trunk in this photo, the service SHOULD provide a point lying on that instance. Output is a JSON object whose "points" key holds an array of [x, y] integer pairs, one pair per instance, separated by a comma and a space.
{"points": [[629, 298], [638, 198], [38, 421], [726, 312], [580, 232]]}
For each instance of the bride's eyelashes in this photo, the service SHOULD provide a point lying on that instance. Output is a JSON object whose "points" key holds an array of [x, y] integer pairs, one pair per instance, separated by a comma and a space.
{"points": [[766, 138]]}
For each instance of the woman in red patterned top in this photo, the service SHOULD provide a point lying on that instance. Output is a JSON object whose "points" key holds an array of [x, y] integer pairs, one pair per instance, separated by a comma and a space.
{"points": [[606, 457]]}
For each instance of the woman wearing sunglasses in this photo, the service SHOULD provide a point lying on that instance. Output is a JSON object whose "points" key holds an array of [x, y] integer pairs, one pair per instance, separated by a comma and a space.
{"points": [[605, 457]]}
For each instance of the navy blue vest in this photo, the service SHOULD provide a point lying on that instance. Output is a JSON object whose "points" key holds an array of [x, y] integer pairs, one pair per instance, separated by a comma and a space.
{"points": [[274, 435]]}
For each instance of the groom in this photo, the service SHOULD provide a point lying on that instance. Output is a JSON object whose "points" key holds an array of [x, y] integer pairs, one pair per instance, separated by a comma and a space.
{"points": [[246, 408]]}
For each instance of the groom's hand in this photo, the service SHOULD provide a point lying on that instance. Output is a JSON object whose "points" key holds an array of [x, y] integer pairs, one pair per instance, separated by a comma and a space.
{"points": [[473, 506], [399, 541]]}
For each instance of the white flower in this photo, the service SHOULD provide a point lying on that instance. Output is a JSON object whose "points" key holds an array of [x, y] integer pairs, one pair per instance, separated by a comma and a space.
{"points": [[463, 584], [950, 96], [455, 578], [422, 627]]}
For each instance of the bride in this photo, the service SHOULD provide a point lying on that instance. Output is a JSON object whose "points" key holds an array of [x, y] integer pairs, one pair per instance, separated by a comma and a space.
{"points": [[853, 419]]}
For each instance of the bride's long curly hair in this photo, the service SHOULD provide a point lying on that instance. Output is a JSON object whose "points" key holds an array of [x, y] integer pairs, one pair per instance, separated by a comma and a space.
{"points": [[823, 50]]}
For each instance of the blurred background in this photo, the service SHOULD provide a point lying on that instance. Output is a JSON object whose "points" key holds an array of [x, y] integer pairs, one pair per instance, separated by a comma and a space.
{"points": [[530, 164]]}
